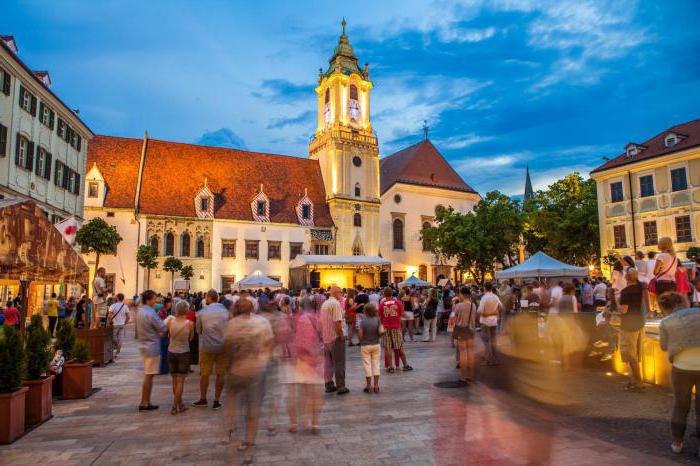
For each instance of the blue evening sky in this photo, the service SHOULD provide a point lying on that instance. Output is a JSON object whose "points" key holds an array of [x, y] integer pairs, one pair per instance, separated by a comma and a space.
{"points": [[504, 83]]}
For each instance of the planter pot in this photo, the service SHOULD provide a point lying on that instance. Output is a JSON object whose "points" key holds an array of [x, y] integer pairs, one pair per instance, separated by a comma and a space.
{"points": [[12, 415], [77, 380], [100, 344], [38, 401]]}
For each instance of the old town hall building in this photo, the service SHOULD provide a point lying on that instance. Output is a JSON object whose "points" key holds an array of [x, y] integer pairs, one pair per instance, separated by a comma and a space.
{"points": [[342, 215]]}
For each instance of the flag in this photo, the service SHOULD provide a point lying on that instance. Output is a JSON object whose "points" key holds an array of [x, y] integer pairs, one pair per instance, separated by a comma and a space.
{"points": [[68, 228]]}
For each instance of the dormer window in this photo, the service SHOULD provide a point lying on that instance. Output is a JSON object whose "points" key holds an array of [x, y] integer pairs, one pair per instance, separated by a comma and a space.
{"points": [[204, 202], [633, 149], [305, 210], [260, 207], [672, 139]]}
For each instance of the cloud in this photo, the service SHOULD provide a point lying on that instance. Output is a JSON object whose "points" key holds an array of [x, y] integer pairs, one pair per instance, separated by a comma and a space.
{"points": [[284, 91], [223, 137], [304, 119], [462, 141]]}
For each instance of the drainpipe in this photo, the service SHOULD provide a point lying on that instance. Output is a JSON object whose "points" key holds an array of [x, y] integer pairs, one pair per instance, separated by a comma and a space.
{"points": [[634, 227], [137, 201]]}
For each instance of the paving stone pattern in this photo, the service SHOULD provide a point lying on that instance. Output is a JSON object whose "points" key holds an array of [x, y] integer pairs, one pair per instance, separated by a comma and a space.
{"points": [[410, 423]]}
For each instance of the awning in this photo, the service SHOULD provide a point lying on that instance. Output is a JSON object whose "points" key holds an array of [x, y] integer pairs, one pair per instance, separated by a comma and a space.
{"points": [[31, 248], [541, 265], [258, 280], [302, 260], [413, 281]]}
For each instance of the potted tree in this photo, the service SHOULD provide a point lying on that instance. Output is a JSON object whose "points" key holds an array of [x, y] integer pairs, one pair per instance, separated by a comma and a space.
{"points": [[146, 256], [13, 365], [77, 374], [65, 342], [39, 382]]}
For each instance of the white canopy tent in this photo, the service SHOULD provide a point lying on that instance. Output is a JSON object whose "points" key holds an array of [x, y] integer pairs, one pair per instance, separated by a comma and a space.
{"points": [[302, 260], [413, 281], [540, 265], [257, 280]]}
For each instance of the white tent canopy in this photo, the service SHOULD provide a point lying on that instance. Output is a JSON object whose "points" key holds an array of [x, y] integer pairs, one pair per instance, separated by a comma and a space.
{"points": [[303, 260], [257, 280], [413, 281], [540, 265]]}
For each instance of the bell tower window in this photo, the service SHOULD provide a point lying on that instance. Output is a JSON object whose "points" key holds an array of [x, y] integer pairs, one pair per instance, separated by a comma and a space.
{"points": [[357, 189], [357, 219]]}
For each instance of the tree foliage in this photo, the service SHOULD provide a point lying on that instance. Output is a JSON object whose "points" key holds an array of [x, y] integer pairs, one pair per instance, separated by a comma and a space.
{"points": [[187, 272], [146, 257], [481, 239], [172, 265], [38, 342], [693, 253], [65, 338], [562, 221], [99, 237], [13, 360]]}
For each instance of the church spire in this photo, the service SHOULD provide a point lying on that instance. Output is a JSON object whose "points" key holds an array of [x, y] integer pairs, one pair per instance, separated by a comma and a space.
{"points": [[343, 59], [529, 194]]}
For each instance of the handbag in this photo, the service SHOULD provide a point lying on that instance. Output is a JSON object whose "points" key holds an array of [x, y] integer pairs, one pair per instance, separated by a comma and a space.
{"points": [[652, 283]]}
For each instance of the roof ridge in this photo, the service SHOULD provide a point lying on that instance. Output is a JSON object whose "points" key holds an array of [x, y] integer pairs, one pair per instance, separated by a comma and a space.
{"points": [[231, 149]]}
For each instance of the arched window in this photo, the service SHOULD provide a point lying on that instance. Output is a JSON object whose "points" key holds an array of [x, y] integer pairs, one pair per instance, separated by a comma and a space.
{"points": [[427, 245], [185, 245], [153, 242], [398, 233], [357, 219], [328, 95], [169, 244], [357, 189], [200, 247], [357, 248], [353, 92]]}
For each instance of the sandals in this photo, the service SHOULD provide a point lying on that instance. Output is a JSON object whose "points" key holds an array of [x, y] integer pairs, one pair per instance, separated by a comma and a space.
{"points": [[367, 390], [182, 408], [376, 389], [173, 410]]}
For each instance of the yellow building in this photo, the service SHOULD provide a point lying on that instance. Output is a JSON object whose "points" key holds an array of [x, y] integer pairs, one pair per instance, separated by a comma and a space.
{"points": [[651, 190]]}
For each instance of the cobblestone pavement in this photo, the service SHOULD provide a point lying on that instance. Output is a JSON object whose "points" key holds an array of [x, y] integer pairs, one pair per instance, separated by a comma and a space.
{"points": [[410, 423]]}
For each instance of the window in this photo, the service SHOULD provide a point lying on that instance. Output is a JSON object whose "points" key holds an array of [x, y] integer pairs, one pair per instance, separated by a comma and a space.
{"points": [[185, 245], [306, 211], [679, 182], [46, 115], [274, 250], [427, 245], [683, 232], [59, 170], [3, 141], [92, 189], [353, 92], [357, 219], [397, 198], [169, 244], [61, 129], [27, 101], [110, 214], [646, 185], [357, 161], [153, 242], [398, 233], [321, 249], [252, 249], [651, 236], [328, 96], [357, 189], [24, 154], [295, 249], [671, 140], [616, 193], [42, 167], [204, 204], [199, 248], [619, 236], [5, 81], [228, 248], [260, 208]]}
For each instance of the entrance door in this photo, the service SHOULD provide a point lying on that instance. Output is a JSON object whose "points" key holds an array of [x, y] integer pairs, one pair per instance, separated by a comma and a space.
{"points": [[226, 282]]}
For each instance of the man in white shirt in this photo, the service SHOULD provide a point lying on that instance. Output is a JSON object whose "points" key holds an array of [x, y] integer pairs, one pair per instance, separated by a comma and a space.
{"points": [[555, 294], [489, 309], [118, 316], [332, 319], [374, 297], [600, 290], [99, 297]]}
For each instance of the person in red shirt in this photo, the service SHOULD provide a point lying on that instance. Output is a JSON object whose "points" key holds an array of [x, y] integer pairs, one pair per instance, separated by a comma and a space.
{"points": [[390, 312], [11, 315]]}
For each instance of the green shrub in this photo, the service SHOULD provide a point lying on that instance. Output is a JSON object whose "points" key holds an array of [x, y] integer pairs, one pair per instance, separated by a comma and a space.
{"points": [[37, 344], [13, 361], [80, 351], [65, 338]]}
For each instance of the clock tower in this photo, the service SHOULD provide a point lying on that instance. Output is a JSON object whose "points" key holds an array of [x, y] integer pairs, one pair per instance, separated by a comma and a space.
{"points": [[347, 151]]}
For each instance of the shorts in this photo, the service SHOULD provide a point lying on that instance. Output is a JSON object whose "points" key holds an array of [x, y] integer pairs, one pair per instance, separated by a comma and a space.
{"points": [[392, 339], [463, 333], [407, 315], [179, 363], [209, 361], [631, 344], [151, 364]]}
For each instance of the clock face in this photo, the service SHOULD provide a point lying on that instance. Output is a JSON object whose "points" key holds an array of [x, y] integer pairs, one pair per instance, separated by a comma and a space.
{"points": [[357, 161], [354, 110]]}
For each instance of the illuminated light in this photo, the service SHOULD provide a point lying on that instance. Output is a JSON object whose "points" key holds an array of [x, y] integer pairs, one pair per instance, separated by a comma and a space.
{"points": [[411, 270], [609, 374], [591, 268]]}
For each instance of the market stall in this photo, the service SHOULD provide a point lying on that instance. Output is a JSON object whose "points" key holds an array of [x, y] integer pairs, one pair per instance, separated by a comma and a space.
{"points": [[257, 280], [34, 255], [413, 281]]}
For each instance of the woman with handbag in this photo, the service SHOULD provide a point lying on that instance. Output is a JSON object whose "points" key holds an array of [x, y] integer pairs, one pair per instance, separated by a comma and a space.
{"points": [[665, 269]]}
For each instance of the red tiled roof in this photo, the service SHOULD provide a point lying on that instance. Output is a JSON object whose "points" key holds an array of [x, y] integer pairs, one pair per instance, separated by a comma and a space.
{"points": [[420, 164], [655, 147], [175, 172]]}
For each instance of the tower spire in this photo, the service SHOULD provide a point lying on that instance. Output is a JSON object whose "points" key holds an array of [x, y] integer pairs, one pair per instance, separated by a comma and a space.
{"points": [[426, 128], [529, 194]]}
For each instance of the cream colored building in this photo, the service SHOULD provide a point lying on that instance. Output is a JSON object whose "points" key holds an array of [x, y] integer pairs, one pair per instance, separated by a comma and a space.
{"points": [[652, 190], [230, 213], [43, 142]]}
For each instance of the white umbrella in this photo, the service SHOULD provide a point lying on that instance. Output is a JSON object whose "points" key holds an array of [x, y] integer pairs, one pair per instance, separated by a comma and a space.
{"points": [[258, 280]]}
